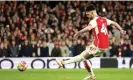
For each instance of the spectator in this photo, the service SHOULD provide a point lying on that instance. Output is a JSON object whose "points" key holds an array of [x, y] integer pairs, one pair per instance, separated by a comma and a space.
{"points": [[114, 49], [44, 50], [125, 51], [50, 45], [4, 50], [130, 50], [64, 49], [56, 51], [71, 48], [13, 49], [26, 49], [116, 33], [120, 52], [34, 49], [79, 47], [39, 44]]}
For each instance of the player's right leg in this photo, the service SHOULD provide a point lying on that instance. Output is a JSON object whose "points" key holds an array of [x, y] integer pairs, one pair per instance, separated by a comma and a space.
{"points": [[86, 54], [82, 57]]}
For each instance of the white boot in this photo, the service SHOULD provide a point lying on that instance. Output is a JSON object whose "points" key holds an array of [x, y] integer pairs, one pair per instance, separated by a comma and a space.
{"points": [[59, 63], [90, 77]]}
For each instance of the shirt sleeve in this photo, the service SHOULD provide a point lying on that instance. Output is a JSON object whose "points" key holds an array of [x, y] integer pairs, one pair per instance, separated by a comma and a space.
{"points": [[108, 21], [92, 24]]}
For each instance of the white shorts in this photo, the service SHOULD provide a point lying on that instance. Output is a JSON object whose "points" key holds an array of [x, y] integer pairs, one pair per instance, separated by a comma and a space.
{"points": [[93, 50]]}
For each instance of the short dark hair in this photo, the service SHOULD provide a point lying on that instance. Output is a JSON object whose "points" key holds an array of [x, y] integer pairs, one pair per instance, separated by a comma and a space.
{"points": [[90, 7]]}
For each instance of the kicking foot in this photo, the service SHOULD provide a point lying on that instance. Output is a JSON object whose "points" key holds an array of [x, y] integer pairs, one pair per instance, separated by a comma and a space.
{"points": [[90, 78], [59, 63]]}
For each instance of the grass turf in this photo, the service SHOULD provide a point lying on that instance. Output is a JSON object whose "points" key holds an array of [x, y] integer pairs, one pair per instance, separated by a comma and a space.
{"points": [[65, 74]]}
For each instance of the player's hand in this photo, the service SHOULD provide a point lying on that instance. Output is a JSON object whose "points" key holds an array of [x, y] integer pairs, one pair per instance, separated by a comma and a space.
{"points": [[123, 32], [76, 35]]}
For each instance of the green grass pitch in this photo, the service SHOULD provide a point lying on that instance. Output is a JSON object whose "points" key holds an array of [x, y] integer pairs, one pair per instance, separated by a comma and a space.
{"points": [[65, 74]]}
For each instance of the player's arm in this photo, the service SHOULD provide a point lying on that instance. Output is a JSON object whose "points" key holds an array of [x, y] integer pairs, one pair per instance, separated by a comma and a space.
{"points": [[83, 30], [88, 28], [116, 25]]}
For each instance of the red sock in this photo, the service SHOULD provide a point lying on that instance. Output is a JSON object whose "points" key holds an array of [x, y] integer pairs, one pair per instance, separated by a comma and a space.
{"points": [[87, 66]]}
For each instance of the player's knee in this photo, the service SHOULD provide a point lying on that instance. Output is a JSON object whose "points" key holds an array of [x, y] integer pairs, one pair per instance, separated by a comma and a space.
{"points": [[86, 55]]}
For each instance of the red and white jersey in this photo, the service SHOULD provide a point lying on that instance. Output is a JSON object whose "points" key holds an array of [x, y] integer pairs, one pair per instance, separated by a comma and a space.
{"points": [[100, 31]]}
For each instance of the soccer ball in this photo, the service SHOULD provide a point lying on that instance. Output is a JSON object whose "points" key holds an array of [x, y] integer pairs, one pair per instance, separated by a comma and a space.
{"points": [[22, 66]]}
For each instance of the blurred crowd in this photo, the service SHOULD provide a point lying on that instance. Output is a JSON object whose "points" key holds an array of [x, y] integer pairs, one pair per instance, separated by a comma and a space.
{"points": [[46, 28]]}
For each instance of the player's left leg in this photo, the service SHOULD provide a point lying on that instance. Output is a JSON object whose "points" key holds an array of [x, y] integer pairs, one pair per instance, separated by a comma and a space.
{"points": [[88, 67], [90, 70]]}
